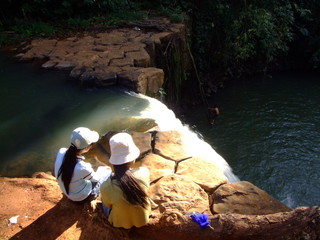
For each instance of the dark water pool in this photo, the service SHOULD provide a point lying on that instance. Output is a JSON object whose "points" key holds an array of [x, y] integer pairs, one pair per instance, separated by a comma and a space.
{"points": [[269, 133]]}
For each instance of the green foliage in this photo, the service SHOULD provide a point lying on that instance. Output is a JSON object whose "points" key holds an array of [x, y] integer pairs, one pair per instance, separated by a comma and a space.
{"points": [[5, 39], [52, 10], [260, 35], [117, 18], [19, 32], [162, 92], [43, 18], [30, 29], [174, 14], [78, 23], [306, 47], [175, 73], [237, 37]]}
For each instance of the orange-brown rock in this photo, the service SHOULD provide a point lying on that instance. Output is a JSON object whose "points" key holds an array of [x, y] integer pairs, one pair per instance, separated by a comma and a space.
{"points": [[45, 214], [205, 173], [169, 145], [158, 166], [245, 198], [179, 193]]}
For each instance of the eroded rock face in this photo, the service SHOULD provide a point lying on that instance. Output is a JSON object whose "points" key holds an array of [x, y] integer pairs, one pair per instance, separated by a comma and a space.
{"points": [[125, 57]]}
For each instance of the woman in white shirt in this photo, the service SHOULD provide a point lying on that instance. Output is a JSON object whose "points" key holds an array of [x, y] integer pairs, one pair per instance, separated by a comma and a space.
{"points": [[77, 179]]}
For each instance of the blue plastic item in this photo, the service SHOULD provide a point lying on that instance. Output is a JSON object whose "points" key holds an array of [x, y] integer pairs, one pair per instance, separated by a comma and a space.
{"points": [[202, 219]]}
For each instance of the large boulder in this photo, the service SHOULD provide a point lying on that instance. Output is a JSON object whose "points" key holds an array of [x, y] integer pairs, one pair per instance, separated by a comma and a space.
{"points": [[245, 198]]}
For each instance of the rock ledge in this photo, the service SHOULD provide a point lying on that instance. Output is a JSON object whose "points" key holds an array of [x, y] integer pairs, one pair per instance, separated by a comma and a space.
{"points": [[236, 210]]}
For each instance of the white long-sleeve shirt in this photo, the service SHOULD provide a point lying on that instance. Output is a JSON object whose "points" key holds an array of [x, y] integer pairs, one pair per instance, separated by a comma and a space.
{"points": [[83, 175]]}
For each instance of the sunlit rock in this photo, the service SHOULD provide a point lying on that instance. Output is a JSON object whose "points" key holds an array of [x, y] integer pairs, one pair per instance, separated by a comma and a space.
{"points": [[155, 79], [179, 187], [169, 145], [143, 79], [245, 198], [158, 166], [174, 192], [205, 173], [140, 58]]}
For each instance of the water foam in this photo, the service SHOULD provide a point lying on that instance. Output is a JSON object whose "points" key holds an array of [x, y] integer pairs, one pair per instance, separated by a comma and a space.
{"points": [[192, 141]]}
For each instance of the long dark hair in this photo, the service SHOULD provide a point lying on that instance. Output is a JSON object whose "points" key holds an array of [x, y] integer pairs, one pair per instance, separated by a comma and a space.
{"points": [[67, 166], [130, 185]]}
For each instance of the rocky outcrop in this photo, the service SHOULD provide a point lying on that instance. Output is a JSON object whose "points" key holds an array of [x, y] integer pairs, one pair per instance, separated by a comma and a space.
{"points": [[179, 186], [186, 184], [126, 56]]}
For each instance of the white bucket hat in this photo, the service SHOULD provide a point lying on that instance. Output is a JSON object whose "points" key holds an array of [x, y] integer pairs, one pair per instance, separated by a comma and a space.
{"points": [[123, 149], [82, 137]]}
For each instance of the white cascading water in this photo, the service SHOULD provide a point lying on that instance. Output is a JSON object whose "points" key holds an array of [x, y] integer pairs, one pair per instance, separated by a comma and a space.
{"points": [[193, 143]]}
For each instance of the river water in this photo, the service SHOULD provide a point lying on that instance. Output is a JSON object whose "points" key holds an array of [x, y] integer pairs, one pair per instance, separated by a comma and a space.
{"points": [[268, 130], [40, 108]]}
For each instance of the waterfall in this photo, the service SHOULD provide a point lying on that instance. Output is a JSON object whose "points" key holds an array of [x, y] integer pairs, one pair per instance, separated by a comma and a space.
{"points": [[103, 112], [193, 142]]}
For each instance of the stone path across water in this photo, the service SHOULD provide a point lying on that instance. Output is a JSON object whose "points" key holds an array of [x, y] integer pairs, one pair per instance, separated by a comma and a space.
{"points": [[126, 56]]}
